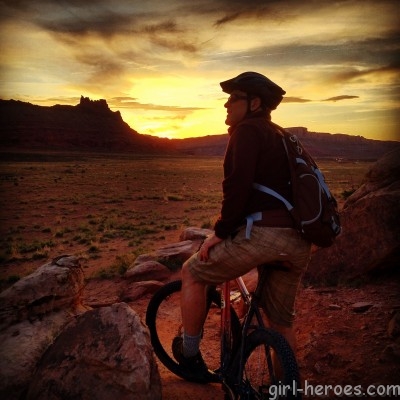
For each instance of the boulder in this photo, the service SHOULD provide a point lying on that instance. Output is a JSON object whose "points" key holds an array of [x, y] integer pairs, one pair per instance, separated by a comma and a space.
{"points": [[142, 258], [22, 346], [104, 354], [172, 255], [194, 233], [175, 254], [147, 270], [136, 290], [369, 242], [53, 286], [33, 312]]}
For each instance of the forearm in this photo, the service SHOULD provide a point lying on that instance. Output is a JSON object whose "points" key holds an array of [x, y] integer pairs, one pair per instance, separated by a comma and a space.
{"points": [[208, 243]]}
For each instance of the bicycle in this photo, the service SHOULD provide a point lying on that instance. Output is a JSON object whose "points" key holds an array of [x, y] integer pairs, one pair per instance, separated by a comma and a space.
{"points": [[246, 369]]}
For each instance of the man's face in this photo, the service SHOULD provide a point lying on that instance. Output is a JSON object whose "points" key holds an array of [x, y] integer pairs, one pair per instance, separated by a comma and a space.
{"points": [[236, 107]]}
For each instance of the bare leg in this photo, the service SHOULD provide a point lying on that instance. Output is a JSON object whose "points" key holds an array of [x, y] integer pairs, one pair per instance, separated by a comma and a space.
{"points": [[193, 303]]}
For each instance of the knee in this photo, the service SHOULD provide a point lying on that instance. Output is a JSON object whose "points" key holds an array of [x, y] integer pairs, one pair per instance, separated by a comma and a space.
{"points": [[189, 281], [185, 272]]}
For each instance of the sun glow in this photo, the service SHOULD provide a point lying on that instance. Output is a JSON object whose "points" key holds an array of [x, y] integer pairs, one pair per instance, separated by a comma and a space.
{"points": [[160, 64]]}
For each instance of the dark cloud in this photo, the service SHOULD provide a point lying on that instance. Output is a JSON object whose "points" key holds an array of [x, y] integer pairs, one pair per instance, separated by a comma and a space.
{"points": [[227, 18], [104, 65], [362, 52], [168, 26], [235, 11], [228, 12], [295, 100], [350, 74], [104, 25], [343, 97], [69, 20], [103, 35], [179, 45], [129, 102], [301, 100], [59, 100], [123, 99]]}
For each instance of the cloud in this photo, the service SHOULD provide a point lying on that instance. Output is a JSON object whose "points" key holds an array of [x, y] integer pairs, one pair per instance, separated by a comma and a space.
{"points": [[58, 100], [301, 100], [351, 74], [179, 27], [227, 18], [289, 99], [343, 97], [127, 102], [170, 55]]}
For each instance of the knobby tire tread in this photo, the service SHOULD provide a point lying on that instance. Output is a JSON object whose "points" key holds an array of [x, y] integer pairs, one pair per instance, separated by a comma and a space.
{"points": [[151, 322], [284, 352]]}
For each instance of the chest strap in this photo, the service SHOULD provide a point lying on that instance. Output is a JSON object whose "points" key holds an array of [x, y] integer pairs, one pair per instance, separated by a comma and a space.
{"points": [[258, 216]]}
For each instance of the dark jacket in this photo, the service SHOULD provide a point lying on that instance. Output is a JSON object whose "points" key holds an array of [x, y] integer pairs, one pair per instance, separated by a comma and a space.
{"points": [[255, 153]]}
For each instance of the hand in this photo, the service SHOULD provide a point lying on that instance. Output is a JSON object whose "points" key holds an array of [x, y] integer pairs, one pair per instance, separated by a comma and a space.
{"points": [[209, 242]]}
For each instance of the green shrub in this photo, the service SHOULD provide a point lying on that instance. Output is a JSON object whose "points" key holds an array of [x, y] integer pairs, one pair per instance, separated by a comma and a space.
{"points": [[347, 193]]}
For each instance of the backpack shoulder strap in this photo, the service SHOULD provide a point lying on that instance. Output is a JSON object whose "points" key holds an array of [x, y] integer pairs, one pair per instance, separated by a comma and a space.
{"points": [[273, 193]]}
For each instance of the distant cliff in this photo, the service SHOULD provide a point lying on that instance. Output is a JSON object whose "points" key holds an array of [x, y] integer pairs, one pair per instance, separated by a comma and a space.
{"points": [[320, 145], [88, 126], [340, 146], [92, 126]]}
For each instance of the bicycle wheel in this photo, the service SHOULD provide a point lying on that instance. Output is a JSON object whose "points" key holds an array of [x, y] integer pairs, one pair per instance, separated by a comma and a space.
{"points": [[163, 318], [260, 379]]}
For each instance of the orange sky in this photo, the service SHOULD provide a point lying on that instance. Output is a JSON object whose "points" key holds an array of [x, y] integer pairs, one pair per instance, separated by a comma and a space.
{"points": [[160, 62]]}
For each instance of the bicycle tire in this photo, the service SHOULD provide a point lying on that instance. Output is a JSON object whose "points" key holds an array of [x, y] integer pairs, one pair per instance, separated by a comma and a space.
{"points": [[257, 381], [163, 315]]}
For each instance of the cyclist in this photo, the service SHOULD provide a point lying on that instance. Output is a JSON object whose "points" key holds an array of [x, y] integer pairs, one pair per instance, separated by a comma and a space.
{"points": [[255, 153]]}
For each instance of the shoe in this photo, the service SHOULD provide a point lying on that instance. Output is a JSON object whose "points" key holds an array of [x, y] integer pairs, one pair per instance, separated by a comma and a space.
{"points": [[195, 369]]}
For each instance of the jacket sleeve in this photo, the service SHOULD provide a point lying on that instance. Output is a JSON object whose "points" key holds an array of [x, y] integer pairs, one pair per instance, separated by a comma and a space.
{"points": [[239, 174]]}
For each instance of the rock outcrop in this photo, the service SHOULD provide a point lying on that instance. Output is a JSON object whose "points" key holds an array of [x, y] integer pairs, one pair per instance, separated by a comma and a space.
{"points": [[33, 313], [89, 126], [102, 354], [370, 241], [57, 285], [172, 255], [92, 126], [76, 352]]}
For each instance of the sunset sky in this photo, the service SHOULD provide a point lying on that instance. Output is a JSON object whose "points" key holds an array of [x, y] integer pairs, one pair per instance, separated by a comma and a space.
{"points": [[159, 62]]}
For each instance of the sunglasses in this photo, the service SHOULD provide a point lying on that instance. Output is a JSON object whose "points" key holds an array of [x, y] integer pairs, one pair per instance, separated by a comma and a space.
{"points": [[233, 98]]}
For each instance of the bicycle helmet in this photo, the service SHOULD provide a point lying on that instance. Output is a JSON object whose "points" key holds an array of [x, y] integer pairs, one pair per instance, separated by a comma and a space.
{"points": [[258, 85]]}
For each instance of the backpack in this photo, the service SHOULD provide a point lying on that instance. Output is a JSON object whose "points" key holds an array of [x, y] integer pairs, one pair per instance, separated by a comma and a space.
{"points": [[314, 209]]}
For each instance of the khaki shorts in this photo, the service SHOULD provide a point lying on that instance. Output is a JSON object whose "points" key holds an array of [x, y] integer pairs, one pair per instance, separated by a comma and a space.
{"points": [[237, 255]]}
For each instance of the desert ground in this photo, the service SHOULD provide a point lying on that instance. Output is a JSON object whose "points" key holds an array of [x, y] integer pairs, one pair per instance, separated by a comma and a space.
{"points": [[108, 209]]}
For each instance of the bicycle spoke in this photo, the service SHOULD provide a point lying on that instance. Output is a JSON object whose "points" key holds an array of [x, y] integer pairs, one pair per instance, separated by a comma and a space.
{"points": [[268, 369], [258, 374]]}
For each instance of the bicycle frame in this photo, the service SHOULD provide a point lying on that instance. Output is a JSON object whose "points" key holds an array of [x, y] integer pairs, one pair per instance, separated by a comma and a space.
{"points": [[226, 336], [245, 346], [253, 310]]}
